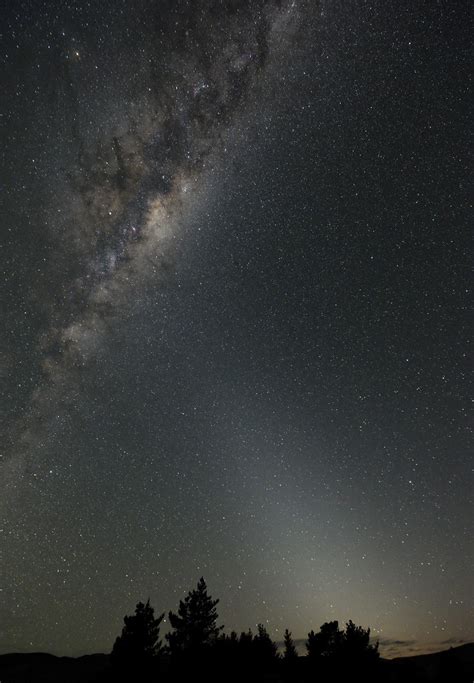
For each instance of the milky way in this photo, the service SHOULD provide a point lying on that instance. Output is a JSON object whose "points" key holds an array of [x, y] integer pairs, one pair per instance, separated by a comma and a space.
{"points": [[126, 194], [235, 317]]}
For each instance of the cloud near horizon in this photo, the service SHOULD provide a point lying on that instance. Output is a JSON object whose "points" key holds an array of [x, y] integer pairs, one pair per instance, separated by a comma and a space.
{"points": [[396, 647]]}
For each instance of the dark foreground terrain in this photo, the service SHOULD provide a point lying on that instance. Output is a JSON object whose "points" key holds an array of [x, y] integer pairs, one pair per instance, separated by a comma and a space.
{"points": [[455, 665], [39, 667]]}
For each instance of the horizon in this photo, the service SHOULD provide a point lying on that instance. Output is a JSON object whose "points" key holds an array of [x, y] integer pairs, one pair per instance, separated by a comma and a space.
{"points": [[390, 649]]}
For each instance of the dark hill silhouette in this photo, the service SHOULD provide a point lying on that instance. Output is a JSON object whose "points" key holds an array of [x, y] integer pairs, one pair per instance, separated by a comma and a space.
{"points": [[39, 667], [455, 665]]}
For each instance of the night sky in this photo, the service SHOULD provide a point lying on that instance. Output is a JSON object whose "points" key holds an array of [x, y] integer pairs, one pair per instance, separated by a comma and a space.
{"points": [[235, 322]]}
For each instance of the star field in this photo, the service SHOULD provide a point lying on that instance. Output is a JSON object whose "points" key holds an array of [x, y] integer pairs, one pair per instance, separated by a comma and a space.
{"points": [[235, 306]]}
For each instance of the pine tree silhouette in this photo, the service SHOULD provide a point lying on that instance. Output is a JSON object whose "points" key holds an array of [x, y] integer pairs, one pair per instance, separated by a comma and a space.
{"points": [[265, 649], [290, 657], [327, 642], [356, 644], [289, 654], [195, 624], [139, 645], [337, 654]]}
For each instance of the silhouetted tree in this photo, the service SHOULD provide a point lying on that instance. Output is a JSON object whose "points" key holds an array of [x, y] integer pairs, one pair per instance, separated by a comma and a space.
{"points": [[335, 653], [289, 653], [246, 638], [227, 645], [198, 650], [262, 656], [290, 656], [311, 644], [265, 649], [226, 660], [327, 642], [195, 624], [139, 645], [356, 644]]}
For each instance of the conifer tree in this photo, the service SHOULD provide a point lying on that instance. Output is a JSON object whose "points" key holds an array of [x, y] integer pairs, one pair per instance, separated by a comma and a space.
{"points": [[139, 644], [356, 643], [195, 624], [265, 648], [326, 643], [289, 654]]}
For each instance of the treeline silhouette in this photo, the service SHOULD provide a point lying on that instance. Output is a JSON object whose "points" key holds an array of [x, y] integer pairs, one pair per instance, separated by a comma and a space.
{"points": [[196, 649]]}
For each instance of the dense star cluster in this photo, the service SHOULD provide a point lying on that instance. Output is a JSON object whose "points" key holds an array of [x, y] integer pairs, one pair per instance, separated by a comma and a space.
{"points": [[235, 323]]}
